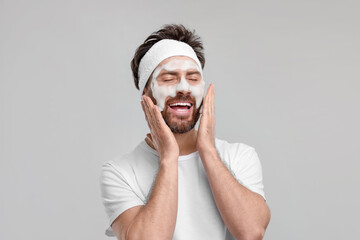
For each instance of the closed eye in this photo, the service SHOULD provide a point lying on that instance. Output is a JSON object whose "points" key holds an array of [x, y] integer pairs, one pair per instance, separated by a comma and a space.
{"points": [[193, 76]]}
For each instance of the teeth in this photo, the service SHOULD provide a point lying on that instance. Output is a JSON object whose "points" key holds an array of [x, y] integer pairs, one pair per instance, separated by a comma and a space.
{"points": [[180, 104]]}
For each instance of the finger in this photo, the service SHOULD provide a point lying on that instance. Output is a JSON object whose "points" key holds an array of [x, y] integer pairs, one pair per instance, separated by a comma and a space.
{"points": [[147, 114], [156, 114], [159, 116], [147, 107], [150, 140], [206, 102], [212, 100], [142, 106], [149, 136], [150, 106], [204, 105]]}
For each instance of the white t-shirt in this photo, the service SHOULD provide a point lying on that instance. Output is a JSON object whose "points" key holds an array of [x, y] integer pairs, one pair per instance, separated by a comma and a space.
{"points": [[126, 182]]}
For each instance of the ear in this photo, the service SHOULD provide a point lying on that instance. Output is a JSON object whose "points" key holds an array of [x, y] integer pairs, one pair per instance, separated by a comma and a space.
{"points": [[147, 86], [146, 91]]}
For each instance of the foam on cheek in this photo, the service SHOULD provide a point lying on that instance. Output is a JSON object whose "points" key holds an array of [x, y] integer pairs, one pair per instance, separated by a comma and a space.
{"points": [[160, 93], [198, 92]]}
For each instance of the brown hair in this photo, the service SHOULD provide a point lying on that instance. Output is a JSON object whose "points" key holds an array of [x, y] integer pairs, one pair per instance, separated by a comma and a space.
{"points": [[171, 31]]}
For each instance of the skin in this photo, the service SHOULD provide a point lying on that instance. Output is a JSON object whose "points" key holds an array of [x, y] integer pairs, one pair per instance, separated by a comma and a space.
{"points": [[164, 86], [244, 212]]}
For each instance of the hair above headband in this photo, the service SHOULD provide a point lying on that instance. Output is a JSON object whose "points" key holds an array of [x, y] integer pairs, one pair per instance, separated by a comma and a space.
{"points": [[160, 51]]}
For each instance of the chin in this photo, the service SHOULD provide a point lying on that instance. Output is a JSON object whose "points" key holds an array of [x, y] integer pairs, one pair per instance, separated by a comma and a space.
{"points": [[182, 128], [180, 125]]}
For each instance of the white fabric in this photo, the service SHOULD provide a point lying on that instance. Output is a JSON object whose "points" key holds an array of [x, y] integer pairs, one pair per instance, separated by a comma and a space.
{"points": [[126, 182], [160, 51]]}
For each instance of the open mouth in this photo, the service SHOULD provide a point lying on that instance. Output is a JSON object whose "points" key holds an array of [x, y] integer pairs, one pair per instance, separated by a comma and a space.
{"points": [[181, 107]]}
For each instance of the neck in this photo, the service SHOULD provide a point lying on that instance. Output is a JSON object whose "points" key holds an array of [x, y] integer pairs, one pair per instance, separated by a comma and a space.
{"points": [[186, 142]]}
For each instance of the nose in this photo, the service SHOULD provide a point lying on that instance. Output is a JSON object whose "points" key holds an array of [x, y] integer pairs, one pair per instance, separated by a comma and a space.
{"points": [[183, 86]]}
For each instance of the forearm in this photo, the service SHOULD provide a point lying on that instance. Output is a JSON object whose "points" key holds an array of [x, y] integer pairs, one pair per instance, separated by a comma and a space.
{"points": [[244, 212], [156, 220]]}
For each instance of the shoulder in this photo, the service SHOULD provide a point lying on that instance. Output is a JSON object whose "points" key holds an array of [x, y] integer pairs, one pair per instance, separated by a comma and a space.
{"points": [[133, 157], [122, 164], [115, 169], [235, 149], [119, 162], [139, 162], [237, 156]]}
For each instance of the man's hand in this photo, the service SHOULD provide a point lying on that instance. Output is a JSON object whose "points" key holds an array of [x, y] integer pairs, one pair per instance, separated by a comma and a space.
{"points": [[206, 132], [244, 212], [161, 136], [157, 218]]}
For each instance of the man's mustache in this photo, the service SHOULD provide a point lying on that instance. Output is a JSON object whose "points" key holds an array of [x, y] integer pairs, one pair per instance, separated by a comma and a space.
{"points": [[182, 98]]}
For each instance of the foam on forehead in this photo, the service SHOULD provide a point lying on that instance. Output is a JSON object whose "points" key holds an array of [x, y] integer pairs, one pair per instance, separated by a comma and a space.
{"points": [[160, 51]]}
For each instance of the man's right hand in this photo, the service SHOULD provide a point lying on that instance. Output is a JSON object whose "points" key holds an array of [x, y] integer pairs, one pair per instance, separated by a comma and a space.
{"points": [[157, 218], [161, 136]]}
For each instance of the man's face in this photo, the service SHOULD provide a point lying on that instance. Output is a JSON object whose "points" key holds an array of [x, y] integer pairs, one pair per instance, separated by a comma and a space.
{"points": [[177, 87]]}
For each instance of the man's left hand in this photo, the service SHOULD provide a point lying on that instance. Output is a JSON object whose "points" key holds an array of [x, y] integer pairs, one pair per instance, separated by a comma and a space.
{"points": [[206, 132]]}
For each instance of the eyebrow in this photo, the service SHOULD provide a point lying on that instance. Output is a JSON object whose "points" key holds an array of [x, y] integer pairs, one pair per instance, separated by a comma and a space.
{"points": [[193, 72], [168, 72]]}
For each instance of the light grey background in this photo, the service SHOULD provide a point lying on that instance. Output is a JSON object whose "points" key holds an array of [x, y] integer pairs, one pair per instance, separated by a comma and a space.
{"points": [[286, 76]]}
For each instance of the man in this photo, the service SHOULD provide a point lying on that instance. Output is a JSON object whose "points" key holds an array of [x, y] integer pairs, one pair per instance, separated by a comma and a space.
{"points": [[180, 183]]}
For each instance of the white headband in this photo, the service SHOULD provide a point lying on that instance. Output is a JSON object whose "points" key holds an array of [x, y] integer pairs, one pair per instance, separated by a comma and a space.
{"points": [[160, 51]]}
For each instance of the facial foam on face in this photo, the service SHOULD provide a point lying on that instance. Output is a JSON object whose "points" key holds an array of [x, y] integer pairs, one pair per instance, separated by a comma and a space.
{"points": [[161, 92]]}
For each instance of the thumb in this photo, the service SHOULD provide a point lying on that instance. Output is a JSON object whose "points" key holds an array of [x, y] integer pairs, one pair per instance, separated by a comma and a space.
{"points": [[149, 136]]}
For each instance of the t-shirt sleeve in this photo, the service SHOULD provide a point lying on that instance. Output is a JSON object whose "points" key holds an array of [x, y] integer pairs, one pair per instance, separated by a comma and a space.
{"points": [[248, 171], [117, 194]]}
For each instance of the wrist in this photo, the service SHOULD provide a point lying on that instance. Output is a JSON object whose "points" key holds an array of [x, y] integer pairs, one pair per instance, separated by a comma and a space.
{"points": [[207, 149], [206, 146], [166, 160], [168, 165]]}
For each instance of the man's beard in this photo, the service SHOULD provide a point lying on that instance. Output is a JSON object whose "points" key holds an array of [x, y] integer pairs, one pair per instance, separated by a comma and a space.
{"points": [[183, 126]]}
